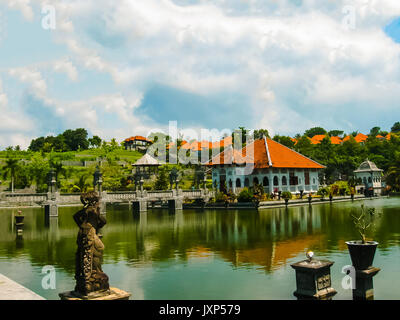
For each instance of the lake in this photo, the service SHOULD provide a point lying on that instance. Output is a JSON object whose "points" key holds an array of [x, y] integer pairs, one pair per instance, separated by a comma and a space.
{"points": [[210, 254]]}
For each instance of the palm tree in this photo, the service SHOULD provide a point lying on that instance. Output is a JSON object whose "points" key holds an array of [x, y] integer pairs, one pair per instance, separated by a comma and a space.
{"points": [[10, 169]]}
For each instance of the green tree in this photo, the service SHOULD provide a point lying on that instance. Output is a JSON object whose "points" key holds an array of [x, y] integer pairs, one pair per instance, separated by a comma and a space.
{"points": [[396, 127], [285, 140], [76, 139], [10, 169], [374, 131], [260, 133], [39, 168], [95, 142], [314, 131], [162, 182], [335, 133]]}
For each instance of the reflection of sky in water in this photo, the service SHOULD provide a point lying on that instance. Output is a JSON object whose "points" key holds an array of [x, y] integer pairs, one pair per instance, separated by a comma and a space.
{"points": [[204, 255]]}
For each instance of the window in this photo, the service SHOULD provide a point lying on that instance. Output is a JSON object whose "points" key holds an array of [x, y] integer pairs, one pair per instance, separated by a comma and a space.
{"points": [[292, 179], [246, 182], [284, 181], [238, 183], [265, 182], [276, 183], [230, 183], [255, 181], [307, 178]]}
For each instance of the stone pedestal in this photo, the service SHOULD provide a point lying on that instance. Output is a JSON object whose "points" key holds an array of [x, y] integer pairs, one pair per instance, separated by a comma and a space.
{"points": [[313, 280], [112, 294], [51, 209], [364, 284]]}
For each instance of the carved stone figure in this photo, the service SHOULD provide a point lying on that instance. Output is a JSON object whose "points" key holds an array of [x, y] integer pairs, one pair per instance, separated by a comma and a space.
{"points": [[90, 278]]}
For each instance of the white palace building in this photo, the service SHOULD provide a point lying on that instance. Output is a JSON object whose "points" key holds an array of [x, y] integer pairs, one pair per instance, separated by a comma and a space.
{"points": [[275, 166]]}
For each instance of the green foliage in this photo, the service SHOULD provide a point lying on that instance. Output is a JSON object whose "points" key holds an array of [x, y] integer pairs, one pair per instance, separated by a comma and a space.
{"points": [[285, 140], [364, 221], [323, 191], [162, 182], [245, 195], [396, 127], [286, 195], [314, 131], [260, 133]]}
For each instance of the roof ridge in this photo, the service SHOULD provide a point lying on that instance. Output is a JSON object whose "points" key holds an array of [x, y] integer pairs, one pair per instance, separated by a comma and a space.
{"points": [[268, 155], [299, 154]]}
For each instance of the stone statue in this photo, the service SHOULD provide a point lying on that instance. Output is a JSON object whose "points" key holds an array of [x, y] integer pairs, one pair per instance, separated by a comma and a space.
{"points": [[90, 278]]}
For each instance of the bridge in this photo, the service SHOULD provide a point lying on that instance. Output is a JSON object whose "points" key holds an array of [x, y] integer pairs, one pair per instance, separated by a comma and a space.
{"points": [[140, 200]]}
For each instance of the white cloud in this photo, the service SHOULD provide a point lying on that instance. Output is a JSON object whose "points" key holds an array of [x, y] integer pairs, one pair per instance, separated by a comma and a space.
{"points": [[66, 66]]}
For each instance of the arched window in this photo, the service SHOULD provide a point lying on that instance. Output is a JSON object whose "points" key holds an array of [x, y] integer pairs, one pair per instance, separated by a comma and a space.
{"points": [[246, 182], [238, 183], [365, 180], [284, 181], [255, 181], [265, 182], [230, 184], [276, 182], [369, 180]]}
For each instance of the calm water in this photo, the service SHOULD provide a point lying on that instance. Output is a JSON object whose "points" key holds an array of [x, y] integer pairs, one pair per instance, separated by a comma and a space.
{"points": [[204, 254]]}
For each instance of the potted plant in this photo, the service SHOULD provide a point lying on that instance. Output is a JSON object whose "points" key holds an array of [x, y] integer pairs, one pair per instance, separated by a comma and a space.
{"points": [[309, 198], [286, 195], [361, 251], [19, 218]]}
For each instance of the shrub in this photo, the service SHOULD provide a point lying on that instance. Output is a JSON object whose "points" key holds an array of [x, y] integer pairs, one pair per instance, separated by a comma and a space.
{"points": [[245, 195], [286, 195]]}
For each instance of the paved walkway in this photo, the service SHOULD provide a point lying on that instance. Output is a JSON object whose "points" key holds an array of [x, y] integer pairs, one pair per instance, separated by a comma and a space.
{"points": [[10, 290]]}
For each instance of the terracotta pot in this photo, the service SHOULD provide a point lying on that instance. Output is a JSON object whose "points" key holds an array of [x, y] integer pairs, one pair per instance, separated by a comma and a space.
{"points": [[362, 255]]}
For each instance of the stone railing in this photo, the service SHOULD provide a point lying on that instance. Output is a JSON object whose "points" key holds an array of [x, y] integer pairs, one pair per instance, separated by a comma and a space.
{"points": [[24, 198]]}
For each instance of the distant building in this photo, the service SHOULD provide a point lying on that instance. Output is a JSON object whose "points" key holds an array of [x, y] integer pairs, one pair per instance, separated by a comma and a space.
{"points": [[276, 168], [137, 143], [371, 177], [359, 138]]}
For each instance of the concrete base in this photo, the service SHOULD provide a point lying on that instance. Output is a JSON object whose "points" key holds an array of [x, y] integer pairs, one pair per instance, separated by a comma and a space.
{"points": [[112, 294], [10, 290]]}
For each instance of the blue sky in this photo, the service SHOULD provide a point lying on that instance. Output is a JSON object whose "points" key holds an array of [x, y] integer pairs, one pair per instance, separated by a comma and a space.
{"points": [[124, 68]]}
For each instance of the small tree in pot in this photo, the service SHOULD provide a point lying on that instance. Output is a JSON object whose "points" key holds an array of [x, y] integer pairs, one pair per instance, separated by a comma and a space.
{"points": [[286, 195], [362, 252]]}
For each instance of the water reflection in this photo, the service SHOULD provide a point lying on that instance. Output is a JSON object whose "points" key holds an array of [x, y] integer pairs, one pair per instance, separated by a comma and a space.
{"points": [[265, 240]]}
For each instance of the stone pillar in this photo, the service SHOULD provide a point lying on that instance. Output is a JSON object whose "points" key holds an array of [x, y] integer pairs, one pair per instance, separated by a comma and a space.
{"points": [[364, 284], [139, 206], [51, 209], [313, 280], [175, 204]]}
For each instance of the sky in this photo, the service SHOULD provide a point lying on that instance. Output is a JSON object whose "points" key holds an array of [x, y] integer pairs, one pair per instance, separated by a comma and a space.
{"points": [[128, 67]]}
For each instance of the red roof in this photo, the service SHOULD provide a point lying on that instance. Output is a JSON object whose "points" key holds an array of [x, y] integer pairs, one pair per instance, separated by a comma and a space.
{"points": [[267, 153]]}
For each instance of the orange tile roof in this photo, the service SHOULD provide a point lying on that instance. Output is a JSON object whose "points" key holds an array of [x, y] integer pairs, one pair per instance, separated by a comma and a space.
{"points": [[336, 140], [359, 138], [319, 137], [264, 154], [138, 138], [380, 136]]}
